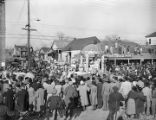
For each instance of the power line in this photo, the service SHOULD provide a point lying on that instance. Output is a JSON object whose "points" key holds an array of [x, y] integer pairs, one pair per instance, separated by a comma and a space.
{"points": [[41, 35], [26, 38]]}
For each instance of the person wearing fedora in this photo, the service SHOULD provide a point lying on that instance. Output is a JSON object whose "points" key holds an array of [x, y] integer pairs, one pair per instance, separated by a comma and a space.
{"points": [[115, 98], [53, 103]]}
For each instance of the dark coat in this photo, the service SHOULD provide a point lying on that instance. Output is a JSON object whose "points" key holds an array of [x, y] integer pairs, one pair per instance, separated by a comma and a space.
{"points": [[3, 112], [114, 101], [54, 102], [22, 100], [99, 95], [140, 102], [9, 99], [70, 93]]}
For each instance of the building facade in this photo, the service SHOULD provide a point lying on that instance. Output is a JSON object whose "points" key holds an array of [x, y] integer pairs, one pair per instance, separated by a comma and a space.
{"points": [[20, 51], [151, 39]]}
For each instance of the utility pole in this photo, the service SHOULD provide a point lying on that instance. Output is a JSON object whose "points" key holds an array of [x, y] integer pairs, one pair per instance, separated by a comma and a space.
{"points": [[28, 42], [2, 33], [28, 28]]}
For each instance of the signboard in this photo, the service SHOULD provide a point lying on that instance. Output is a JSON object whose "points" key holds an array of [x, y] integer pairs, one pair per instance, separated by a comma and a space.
{"points": [[119, 56]]}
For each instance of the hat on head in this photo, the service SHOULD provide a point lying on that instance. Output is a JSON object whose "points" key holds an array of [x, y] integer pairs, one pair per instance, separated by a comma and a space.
{"points": [[115, 88], [54, 91], [140, 84], [66, 80], [70, 82], [82, 82]]}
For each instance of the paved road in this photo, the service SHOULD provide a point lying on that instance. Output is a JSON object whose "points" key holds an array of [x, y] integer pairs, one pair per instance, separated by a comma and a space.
{"points": [[88, 115]]}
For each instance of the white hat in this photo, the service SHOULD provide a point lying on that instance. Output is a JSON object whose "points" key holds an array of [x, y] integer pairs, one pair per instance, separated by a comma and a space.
{"points": [[81, 82], [70, 82], [134, 83], [140, 84], [73, 80], [54, 91]]}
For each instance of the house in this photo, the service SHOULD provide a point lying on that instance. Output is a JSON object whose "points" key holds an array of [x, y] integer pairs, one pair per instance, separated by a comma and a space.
{"points": [[57, 47], [151, 39], [43, 53], [8, 54], [20, 51], [80, 43], [75, 46], [150, 43]]}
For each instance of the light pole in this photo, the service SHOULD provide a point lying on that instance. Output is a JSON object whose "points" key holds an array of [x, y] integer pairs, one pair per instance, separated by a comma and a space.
{"points": [[28, 28]]}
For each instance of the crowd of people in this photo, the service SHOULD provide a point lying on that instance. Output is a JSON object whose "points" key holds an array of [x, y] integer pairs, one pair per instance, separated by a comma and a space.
{"points": [[57, 91]]}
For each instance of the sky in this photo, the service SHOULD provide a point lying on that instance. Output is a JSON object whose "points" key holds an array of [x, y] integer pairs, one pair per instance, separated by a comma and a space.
{"points": [[129, 19]]}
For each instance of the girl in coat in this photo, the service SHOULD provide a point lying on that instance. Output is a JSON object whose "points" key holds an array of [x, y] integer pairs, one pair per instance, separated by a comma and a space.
{"points": [[132, 95], [39, 97]]}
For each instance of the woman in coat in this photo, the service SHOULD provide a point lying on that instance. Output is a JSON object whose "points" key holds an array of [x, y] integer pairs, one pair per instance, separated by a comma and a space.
{"points": [[9, 98], [106, 90], [99, 95], [93, 95], [3, 110], [21, 99], [131, 98], [83, 89], [140, 100], [39, 97], [31, 93]]}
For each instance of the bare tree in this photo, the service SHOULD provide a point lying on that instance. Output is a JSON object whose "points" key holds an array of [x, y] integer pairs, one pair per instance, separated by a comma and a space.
{"points": [[112, 37], [60, 36]]}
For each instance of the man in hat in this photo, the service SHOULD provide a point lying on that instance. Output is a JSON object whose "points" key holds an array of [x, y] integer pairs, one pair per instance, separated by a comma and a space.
{"points": [[114, 102], [54, 102], [70, 93]]}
